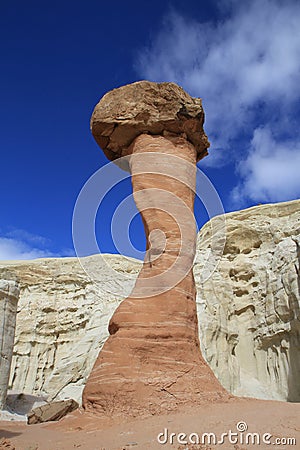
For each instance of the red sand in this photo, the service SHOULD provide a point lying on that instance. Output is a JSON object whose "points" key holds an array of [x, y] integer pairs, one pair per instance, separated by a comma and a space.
{"points": [[82, 431]]}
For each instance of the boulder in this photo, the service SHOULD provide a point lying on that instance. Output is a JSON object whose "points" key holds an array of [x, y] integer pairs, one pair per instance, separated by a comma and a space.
{"points": [[147, 107], [51, 411]]}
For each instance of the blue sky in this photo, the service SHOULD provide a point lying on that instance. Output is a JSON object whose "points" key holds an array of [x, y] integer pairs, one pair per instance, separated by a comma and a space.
{"points": [[57, 60]]}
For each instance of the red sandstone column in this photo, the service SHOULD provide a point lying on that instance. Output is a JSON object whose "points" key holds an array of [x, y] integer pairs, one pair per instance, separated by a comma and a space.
{"points": [[152, 363]]}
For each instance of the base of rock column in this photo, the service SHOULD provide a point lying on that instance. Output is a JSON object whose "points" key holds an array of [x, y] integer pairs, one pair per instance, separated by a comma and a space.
{"points": [[146, 371]]}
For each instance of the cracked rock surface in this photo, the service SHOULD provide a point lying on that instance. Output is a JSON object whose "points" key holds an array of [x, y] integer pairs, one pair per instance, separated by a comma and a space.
{"points": [[147, 107]]}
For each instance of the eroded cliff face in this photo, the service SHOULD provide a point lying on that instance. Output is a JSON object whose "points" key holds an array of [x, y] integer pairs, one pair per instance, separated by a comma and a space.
{"points": [[248, 310], [62, 323]]}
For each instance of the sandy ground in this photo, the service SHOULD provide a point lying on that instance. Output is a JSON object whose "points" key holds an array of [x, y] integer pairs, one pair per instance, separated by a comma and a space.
{"points": [[80, 431]]}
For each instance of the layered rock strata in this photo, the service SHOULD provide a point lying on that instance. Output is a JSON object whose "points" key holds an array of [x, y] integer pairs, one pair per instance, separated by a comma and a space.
{"points": [[152, 362], [9, 295]]}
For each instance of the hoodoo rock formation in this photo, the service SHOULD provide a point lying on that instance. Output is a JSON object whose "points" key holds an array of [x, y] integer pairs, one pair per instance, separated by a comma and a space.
{"points": [[151, 362]]}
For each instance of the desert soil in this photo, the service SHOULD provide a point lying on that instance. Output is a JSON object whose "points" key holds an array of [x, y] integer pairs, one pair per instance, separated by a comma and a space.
{"points": [[82, 431]]}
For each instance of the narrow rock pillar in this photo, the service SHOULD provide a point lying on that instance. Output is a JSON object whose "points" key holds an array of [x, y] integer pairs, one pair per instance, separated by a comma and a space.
{"points": [[9, 295], [152, 362]]}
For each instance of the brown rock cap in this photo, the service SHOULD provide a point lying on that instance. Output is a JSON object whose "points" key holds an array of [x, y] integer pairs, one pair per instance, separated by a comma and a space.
{"points": [[146, 107]]}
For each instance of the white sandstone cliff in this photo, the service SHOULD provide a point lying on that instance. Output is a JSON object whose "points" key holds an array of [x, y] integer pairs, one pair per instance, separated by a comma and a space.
{"points": [[9, 295], [62, 323], [248, 310]]}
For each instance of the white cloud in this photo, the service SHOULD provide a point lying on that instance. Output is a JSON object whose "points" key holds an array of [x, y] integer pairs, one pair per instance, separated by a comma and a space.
{"points": [[29, 238], [246, 67], [19, 244], [13, 249], [271, 170]]}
